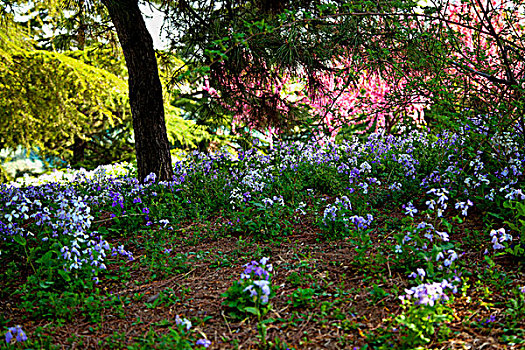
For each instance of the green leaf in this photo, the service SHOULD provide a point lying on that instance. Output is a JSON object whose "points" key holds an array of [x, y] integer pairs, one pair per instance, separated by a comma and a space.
{"points": [[269, 320], [46, 258], [45, 284], [496, 215], [252, 310], [20, 240], [65, 275], [521, 208]]}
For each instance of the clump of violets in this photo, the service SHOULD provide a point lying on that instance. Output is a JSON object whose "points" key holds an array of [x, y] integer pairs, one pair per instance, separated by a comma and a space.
{"points": [[15, 333], [258, 276], [203, 342], [185, 326], [252, 292], [499, 237], [55, 217], [429, 293], [183, 322], [338, 219], [426, 311]]}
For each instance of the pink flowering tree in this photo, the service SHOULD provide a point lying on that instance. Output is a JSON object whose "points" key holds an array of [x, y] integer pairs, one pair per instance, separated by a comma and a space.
{"points": [[416, 64], [484, 68]]}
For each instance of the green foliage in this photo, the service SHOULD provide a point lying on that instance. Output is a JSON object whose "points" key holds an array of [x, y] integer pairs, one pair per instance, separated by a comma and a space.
{"points": [[419, 324], [186, 134], [251, 293], [66, 306], [302, 298], [322, 178], [238, 302], [74, 105], [49, 101], [178, 337], [515, 312], [517, 224], [102, 57], [264, 220], [167, 297]]}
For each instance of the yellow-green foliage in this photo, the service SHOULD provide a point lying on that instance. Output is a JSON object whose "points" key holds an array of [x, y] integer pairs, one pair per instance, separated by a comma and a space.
{"points": [[185, 134], [47, 98], [108, 59]]}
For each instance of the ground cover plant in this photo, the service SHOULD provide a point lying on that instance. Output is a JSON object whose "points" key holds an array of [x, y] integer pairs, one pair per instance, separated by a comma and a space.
{"points": [[392, 241]]}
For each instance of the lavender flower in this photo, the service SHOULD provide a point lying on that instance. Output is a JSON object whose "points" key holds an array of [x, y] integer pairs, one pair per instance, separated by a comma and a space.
{"points": [[258, 275], [150, 178], [429, 293], [203, 342], [183, 321], [410, 209], [17, 333], [443, 235], [464, 206], [503, 237]]}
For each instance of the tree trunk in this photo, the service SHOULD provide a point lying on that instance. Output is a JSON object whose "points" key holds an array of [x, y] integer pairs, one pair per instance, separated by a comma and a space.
{"points": [[145, 91], [79, 146]]}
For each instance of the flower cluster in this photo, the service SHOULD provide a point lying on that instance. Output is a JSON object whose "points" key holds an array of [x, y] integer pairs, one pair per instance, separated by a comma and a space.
{"points": [[186, 324], [258, 275], [441, 203], [58, 213], [268, 202], [429, 293], [464, 206], [447, 261], [251, 293], [15, 333], [338, 218], [498, 237]]}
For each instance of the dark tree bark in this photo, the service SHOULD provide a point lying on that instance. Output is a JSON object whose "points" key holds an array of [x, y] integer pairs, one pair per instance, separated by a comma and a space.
{"points": [[79, 146], [145, 91]]}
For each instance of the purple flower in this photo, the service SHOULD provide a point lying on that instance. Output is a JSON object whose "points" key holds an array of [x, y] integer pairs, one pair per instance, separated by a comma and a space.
{"points": [[183, 321], [20, 335], [503, 237], [443, 235], [8, 336], [491, 319], [429, 293], [410, 209], [264, 285], [203, 342], [250, 289], [151, 177]]}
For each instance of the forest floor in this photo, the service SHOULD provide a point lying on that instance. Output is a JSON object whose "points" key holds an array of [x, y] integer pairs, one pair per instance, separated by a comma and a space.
{"points": [[389, 242], [325, 297]]}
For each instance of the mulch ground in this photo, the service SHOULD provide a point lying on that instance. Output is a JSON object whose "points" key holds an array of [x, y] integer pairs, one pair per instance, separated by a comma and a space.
{"points": [[330, 267]]}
